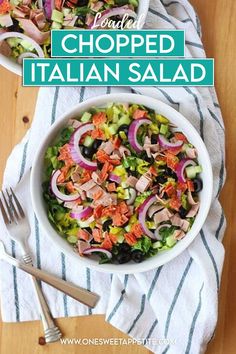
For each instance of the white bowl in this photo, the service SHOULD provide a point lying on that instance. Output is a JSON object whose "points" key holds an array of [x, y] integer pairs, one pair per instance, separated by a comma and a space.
{"points": [[205, 195], [16, 68]]}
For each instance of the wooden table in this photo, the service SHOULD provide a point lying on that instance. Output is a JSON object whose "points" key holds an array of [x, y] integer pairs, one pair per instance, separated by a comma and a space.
{"points": [[218, 19]]}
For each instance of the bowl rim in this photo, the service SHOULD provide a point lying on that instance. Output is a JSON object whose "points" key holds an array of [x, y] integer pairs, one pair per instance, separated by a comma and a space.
{"points": [[17, 68], [63, 245]]}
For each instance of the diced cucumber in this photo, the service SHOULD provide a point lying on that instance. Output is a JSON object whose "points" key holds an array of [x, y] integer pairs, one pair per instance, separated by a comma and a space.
{"points": [[88, 141], [113, 129], [170, 241], [86, 117], [164, 129], [157, 244], [13, 42], [124, 120], [192, 171], [72, 239], [57, 16], [27, 45], [66, 11], [128, 228], [120, 238], [56, 25]]}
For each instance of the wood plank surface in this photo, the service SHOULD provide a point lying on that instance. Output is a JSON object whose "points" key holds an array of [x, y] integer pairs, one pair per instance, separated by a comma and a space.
{"points": [[218, 18]]}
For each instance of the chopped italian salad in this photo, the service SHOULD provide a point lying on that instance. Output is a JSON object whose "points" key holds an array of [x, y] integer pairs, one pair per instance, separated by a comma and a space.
{"points": [[25, 25], [121, 183]]}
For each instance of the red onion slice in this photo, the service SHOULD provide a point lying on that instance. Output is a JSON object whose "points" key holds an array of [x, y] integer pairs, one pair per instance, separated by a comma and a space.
{"points": [[91, 250], [157, 235], [37, 47], [117, 11], [114, 178], [83, 214], [164, 143], [181, 168], [26, 55], [132, 134], [142, 215], [76, 154], [57, 193]]}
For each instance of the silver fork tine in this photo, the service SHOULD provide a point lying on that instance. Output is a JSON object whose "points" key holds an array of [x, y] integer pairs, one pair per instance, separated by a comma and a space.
{"points": [[11, 218], [12, 206], [20, 210], [4, 214]]}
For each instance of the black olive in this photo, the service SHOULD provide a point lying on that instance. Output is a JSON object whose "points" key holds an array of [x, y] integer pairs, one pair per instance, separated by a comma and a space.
{"points": [[124, 128], [137, 256], [183, 212], [133, 173], [124, 247], [106, 225], [88, 229], [96, 144], [161, 179], [197, 184], [100, 165], [88, 151], [170, 173], [154, 138], [147, 158], [83, 2], [123, 257]]}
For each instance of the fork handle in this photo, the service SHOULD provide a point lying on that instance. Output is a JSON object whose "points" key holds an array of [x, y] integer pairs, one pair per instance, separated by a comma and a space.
{"points": [[82, 295]]}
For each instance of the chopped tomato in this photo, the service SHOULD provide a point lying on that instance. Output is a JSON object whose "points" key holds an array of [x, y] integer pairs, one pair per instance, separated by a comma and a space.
{"points": [[107, 244], [139, 113], [182, 186], [116, 142], [99, 118], [123, 208], [86, 176], [113, 238], [70, 187], [137, 230], [104, 172], [83, 235], [103, 157], [98, 211], [97, 235], [175, 151], [153, 171], [171, 161], [62, 177], [64, 155], [130, 238], [58, 4], [181, 136], [98, 134], [175, 204], [98, 194], [119, 219], [170, 190], [111, 187], [5, 7], [190, 185]]}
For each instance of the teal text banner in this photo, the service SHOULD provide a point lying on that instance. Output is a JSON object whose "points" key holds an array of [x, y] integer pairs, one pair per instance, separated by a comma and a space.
{"points": [[120, 72], [113, 43]]}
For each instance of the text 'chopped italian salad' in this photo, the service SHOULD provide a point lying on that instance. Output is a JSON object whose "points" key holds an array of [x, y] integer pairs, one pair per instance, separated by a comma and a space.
{"points": [[25, 25], [122, 183]]}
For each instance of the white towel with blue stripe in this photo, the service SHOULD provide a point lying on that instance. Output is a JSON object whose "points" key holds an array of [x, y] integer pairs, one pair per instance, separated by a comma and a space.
{"points": [[174, 307]]}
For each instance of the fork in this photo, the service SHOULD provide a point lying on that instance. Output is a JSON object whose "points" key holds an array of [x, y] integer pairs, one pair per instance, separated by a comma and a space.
{"points": [[17, 224]]}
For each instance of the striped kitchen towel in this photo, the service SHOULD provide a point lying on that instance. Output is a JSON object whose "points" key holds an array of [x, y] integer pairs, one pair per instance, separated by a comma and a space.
{"points": [[172, 308]]}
